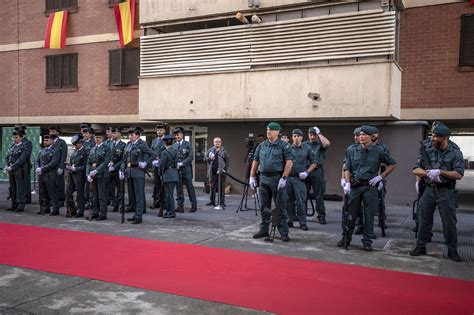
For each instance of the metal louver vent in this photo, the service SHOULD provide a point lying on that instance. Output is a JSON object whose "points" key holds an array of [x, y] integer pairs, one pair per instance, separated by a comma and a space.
{"points": [[339, 36]]}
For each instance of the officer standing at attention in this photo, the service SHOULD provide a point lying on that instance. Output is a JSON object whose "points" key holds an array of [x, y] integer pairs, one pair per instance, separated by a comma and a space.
{"points": [[274, 160], [168, 167], [109, 135], [77, 169], [47, 166], [136, 157], [218, 160], [319, 144], [118, 148], [29, 147], [303, 164], [61, 145], [16, 165], [185, 169], [157, 146], [97, 173], [89, 143], [447, 166], [362, 177]]}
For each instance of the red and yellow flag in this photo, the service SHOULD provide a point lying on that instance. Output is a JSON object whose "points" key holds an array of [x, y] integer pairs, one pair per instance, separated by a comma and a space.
{"points": [[56, 30], [125, 18]]}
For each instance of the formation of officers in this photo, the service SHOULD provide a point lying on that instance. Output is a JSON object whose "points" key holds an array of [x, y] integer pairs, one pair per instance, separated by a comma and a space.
{"points": [[101, 163]]}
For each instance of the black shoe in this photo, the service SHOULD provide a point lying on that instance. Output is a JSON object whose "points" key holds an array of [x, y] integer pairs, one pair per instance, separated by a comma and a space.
{"points": [[18, 210], [454, 256], [414, 229], [304, 227], [179, 210], [169, 216], [367, 247], [322, 220], [47, 211], [131, 219], [39, 212], [260, 234], [115, 210], [210, 204], [223, 205], [101, 218], [137, 221], [54, 213], [193, 209], [341, 243], [285, 238], [358, 230], [94, 216], [373, 236], [290, 224], [79, 215], [418, 251]]}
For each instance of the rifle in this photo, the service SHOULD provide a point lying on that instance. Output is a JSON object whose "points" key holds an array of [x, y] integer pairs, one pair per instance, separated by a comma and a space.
{"points": [[275, 214], [382, 212], [427, 166], [345, 218], [12, 190], [313, 210], [122, 201], [70, 210]]}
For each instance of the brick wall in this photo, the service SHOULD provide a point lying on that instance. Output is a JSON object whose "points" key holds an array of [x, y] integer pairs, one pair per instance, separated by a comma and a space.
{"points": [[429, 56]]}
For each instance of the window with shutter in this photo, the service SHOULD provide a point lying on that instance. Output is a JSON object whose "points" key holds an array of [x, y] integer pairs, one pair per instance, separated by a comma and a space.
{"points": [[124, 66], [115, 77], [61, 72], [466, 53], [59, 5]]}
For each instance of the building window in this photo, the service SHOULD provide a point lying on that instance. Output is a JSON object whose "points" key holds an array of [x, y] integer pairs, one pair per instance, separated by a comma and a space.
{"points": [[466, 54], [112, 2], [59, 5], [61, 72], [124, 66]]}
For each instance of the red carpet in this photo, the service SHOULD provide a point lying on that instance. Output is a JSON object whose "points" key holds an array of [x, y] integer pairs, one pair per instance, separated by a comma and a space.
{"points": [[272, 283]]}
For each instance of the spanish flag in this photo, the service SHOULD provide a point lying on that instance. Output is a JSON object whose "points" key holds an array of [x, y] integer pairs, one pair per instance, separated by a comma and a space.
{"points": [[56, 30], [125, 18]]}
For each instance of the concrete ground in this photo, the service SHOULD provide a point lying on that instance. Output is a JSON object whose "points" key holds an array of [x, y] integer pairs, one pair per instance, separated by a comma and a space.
{"points": [[24, 291]]}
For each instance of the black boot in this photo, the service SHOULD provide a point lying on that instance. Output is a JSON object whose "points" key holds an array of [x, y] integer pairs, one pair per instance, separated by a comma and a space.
{"points": [[418, 251]]}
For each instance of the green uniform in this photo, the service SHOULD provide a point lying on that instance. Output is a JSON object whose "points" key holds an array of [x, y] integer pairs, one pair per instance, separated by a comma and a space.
{"points": [[88, 145], [167, 167], [185, 156], [79, 160], [316, 180], [115, 195], [364, 164], [61, 146], [48, 160], [134, 154], [157, 146], [99, 157], [296, 188], [17, 159], [272, 158], [451, 159], [27, 179]]}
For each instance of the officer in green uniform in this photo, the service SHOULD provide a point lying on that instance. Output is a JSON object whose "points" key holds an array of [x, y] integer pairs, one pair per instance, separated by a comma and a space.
{"points": [[109, 137], [185, 169], [117, 147], [274, 160], [108, 143], [16, 166], [136, 157], [447, 166], [89, 143], [319, 144], [29, 147], [77, 169], [61, 145], [362, 177], [97, 173], [168, 167], [47, 167], [157, 146], [304, 163]]}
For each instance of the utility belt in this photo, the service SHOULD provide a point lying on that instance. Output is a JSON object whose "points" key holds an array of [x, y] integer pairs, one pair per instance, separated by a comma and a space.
{"points": [[132, 165], [294, 175], [94, 165], [170, 168], [448, 185], [271, 174], [359, 183]]}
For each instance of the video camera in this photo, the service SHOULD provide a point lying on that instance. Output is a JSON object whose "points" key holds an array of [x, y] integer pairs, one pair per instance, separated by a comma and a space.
{"points": [[250, 143]]}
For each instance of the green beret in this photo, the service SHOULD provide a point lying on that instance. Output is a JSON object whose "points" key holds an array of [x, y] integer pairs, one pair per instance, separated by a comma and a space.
{"points": [[274, 126], [374, 129], [357, 130], [367, 130], [440, 129], [297, 131]]}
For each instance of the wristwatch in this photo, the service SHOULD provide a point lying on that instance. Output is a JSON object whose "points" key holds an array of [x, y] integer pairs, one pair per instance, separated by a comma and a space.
{"points": [[284, 177]]}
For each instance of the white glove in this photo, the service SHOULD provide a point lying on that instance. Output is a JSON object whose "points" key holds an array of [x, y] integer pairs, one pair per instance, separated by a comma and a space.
{"points": [[433, 175], [39, 171], [374, 181], [380, 186], [111, 163], [7, 169], [281, 183], [60, 171], [180, 164], [212, 156], [93, 173], [155, 163], [303, 175], [253, 182], [121, 175], [90, 179], [417, 187], [343, 182], [317, 130], [111, 168], [72, 168], [347, 188], [142, 165]]}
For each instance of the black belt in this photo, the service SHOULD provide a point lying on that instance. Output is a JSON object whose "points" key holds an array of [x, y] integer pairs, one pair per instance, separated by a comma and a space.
{"points": [[359, 183], [449, 185], [268, 174]]}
